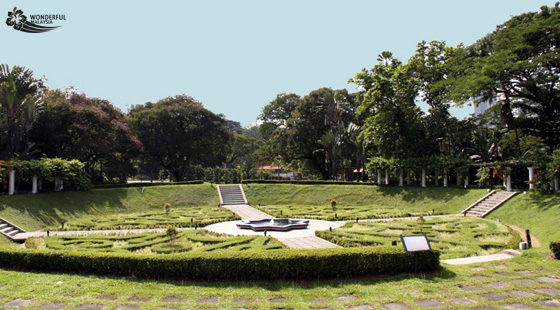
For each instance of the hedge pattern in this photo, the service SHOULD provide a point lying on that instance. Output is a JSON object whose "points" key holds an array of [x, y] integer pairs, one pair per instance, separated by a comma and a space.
{"points": [[555, 248], [308, 182], [146, 184], [242, 265]]}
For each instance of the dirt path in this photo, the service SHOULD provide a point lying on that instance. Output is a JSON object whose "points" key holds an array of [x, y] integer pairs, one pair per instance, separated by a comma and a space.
{"points": [[534, 241]]}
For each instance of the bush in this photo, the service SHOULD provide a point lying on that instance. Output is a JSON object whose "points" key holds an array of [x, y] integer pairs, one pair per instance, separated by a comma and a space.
{"points": [[555, 248], [147, 184], [307, 182], [219, 265]]}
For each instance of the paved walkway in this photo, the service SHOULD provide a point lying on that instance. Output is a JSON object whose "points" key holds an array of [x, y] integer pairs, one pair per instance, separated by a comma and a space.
{"points": [[296, 238], [507, 254], [247, 212], [118, 232]]}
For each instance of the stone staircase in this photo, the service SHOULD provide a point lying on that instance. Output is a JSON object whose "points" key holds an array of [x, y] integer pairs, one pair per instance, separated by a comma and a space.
{"points": [[10, 230], [232, 195], [488, 203]]}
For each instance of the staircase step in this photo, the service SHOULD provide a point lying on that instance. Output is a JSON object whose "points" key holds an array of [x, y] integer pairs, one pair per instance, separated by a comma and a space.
{"points": [[489, 203]]}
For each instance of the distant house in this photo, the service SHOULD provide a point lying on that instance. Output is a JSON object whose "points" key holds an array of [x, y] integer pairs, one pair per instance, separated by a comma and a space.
{"points": [[277, 172]]}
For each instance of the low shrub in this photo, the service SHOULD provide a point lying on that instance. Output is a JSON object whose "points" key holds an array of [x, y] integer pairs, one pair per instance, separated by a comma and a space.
{"points": [[146, 184], [555, 248], [307, 182], [234, 265]]}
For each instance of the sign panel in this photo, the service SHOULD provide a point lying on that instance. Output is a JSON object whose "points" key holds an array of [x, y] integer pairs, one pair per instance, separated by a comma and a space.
{"points": [[416, 243]]}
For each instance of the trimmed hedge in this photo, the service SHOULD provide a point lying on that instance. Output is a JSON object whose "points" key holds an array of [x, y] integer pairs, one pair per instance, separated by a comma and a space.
{"points": [[555, 248], [147, 184], [242, 265], [309, 182]]}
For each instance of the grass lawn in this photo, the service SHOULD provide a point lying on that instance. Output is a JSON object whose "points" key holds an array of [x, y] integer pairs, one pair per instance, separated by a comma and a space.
{"points": [[532, 279], [453, 236], [493, 285], [314, 201], [540, 213], [34, 212], [153, 243]]}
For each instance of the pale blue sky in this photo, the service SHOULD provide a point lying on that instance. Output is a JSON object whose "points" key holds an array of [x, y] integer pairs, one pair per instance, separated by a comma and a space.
{"points": [[234, 56]]}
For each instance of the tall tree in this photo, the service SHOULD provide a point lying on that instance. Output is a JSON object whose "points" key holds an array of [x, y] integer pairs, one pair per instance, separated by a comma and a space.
{"points": [[19, 96], [429, 66], [389, 115], [518, 66], [74, 126], [178, 132]]}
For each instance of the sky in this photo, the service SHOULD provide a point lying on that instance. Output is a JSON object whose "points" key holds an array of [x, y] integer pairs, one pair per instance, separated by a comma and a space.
{"points": [[234, 56]]}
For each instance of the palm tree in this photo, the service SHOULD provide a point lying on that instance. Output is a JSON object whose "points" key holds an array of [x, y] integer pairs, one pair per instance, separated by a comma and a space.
{"points": [[19, 98]]}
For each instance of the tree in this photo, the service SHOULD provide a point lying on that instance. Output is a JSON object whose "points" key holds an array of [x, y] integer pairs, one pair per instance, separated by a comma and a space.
{"points": [[518, 66], [92, 130], [429, 66], [178, 132], [19, 96], [390, 119], [308, 130]]}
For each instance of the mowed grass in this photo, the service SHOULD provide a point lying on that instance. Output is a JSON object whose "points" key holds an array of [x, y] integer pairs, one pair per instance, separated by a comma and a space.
{"points": [[156, 243], [361, 201], [449, 286], [34, 212], [538, 212], [453, 236]]}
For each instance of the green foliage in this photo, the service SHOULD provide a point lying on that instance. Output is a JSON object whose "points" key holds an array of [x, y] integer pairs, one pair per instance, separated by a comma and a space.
{"points": [[228, 265], [453, 236], [178, 132], [71, 171], [120, 206], [171, 233], [171, 241], [92, 130], [19, 96], [536, 211], [555, 248]]}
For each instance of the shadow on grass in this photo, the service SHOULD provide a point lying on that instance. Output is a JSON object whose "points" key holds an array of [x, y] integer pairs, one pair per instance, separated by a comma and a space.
{"points": [[413, 193], [271, 286], [54, 208]]}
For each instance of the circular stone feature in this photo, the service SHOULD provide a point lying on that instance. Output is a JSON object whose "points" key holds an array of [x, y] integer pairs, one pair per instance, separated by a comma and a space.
{"points": [[273, 224]]}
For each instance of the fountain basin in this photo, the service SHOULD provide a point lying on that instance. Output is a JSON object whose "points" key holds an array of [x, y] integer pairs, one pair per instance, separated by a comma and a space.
{"points": [[273, 224]]}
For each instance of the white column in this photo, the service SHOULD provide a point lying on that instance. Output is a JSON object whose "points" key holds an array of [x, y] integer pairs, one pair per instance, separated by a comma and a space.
{"points": [[436, 175], [12, 182], [531, 177], [378, 177], [445, 177], [34, 185], [508, 180], [408, 178], [386, 177], [401, 178], [466, 181], [556, 185], [423, 177]]}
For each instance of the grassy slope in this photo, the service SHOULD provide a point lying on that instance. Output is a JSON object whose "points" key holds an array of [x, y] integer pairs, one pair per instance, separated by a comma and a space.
{"points": [[414, 199], [538, 212], [34, 212]]}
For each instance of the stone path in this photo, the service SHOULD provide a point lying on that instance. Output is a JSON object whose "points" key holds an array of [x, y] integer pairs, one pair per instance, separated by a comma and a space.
{"points": [[247, 212], [507, 254], [516, 290], [297, 238]]}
